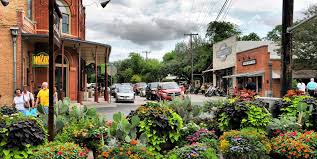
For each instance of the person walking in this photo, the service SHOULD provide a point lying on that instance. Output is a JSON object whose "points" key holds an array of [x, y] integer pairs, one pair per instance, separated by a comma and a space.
{"points": [[299, 85], [311, 87], [251, 85], [28, 96], [18, 101], [303, 87], [55, 95], [43, 97]]}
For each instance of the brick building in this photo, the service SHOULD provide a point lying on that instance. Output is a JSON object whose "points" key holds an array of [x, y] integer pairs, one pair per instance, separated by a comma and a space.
{"points": [[30, 19], [255, 64]]}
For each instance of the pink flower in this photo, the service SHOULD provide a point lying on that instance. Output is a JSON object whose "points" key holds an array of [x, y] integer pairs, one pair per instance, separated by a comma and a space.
{"points": [[59, 153]]}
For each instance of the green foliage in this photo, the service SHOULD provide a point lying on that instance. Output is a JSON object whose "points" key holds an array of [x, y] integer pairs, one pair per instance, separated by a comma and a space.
{"points": [[197, 151], [126, 152], [250, 37], [18, 134], [282, 125], [184, 108], [6, 110], [245, 144], [136, 79], [218, 31], [236, 114], [161, 125], [125, 131], [56, 150]]}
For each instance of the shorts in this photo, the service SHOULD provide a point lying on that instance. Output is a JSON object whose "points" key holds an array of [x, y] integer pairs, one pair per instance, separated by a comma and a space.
{"points": [[45, 109]]}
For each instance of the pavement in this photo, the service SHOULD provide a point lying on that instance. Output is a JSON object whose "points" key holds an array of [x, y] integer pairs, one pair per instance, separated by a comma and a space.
{"points": [[106, 109]]}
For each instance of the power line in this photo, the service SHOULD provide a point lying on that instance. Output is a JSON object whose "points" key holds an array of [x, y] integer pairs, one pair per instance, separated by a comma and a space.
{"points": [[228, 9], [222, 9], [192, 57]]}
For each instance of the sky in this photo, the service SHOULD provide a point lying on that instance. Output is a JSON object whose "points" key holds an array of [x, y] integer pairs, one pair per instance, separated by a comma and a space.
{"points": [[157, 25]]}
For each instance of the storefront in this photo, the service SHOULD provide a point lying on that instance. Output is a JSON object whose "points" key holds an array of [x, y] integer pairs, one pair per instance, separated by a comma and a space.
{"points": [[257, 65]]}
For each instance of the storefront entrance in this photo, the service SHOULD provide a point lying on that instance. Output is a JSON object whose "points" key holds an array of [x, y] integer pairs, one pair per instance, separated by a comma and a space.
{"points": [[61, 71]]}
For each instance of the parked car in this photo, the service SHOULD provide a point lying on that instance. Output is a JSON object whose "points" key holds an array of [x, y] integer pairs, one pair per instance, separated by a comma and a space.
{"points": [[168, 90], [125, 94], [150, 91]]}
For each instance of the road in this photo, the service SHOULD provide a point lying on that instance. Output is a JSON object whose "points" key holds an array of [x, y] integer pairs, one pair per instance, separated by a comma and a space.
{"points": [[108, 110]]}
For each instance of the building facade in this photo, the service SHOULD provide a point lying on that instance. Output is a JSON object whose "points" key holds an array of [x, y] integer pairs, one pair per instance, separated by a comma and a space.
{"points": [[24, 56]]}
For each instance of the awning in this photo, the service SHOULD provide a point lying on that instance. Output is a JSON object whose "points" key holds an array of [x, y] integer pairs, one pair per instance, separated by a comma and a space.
{"points": [[215, 69], [88, 48], [297, 74], [251, 74]]}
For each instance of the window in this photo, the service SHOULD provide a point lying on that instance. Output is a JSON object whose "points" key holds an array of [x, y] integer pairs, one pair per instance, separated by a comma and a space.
{"points": [[65, 22], [30, 9]]}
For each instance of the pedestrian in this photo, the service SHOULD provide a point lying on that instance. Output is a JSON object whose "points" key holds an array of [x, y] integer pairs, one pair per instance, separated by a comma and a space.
{"points": [[311, 87], [18, 101], [43, 97], [55, 95], [299, 85], [303, 87], [251, 85], [28, 96]]}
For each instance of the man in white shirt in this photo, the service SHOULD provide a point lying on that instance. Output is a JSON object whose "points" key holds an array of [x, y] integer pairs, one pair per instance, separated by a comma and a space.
{"points": [[303, 87]]}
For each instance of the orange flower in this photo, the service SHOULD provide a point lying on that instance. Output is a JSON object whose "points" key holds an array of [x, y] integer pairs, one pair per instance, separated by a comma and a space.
{"points": [[105, 154], [306, 156], [134, 142], [129, 152], [121, 149], [143, 148]]}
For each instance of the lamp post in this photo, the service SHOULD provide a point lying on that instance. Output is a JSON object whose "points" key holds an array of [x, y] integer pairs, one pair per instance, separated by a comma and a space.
{"points": [[14, 33]]}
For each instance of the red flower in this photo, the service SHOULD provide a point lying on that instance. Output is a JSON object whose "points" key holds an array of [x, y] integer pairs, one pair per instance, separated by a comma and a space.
{"points": [[293, 133], [282, 135], [277, 131], [82, 154], [59, 153]]}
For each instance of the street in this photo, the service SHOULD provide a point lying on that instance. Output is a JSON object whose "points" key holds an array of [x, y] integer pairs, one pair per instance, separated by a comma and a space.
{"points": [[107, 110]]}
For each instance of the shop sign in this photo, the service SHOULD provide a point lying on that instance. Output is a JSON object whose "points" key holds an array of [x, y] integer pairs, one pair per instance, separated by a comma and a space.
{"points": [[41, 60], [249, 62], [224, 51]]}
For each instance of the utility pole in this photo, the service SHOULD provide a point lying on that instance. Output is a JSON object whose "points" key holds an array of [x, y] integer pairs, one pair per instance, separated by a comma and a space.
{"points": [[146, 53], [191, 54], [286, 58]]}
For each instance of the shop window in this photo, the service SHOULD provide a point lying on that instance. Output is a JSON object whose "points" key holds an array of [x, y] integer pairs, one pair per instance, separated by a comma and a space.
{"points": [[65, 22], [30, 9], [260, 83]]}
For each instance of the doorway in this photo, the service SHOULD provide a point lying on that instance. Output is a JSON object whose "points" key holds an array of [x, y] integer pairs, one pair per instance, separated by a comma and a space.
{"points": [[60, 73]]}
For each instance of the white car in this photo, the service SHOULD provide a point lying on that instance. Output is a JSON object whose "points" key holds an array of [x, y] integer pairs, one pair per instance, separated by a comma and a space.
{"points": [[125, 94]]}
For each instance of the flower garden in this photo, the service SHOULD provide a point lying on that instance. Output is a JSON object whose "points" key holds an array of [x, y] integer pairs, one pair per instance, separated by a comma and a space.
{"points": [[235, 128]]}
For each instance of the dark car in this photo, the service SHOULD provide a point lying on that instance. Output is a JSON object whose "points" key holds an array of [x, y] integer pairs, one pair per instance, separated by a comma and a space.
{"points": [[150, 91], [113, 89]]}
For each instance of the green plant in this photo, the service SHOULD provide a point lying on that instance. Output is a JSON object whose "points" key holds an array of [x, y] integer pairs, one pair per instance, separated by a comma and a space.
{"points": [[161, 125], [211, 105], [56, 150], [258, 117], [123, 130], [184, 108], [6, 110], [197, 151], [282, 125], [203, 136], [245, 144], [126, 151], [18, 133], [294, 144]]}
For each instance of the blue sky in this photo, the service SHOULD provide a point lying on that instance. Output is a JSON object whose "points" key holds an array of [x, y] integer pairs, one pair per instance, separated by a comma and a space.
{"points": [[157, 25]]}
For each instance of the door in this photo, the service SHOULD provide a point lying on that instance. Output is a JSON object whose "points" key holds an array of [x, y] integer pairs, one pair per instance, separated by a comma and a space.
{"points": [[61, 76]]}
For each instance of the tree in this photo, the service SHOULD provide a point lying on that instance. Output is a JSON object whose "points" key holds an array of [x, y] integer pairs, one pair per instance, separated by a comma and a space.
{"points": [[136, 79], [276, 34], [251, 37], [218, 31]]}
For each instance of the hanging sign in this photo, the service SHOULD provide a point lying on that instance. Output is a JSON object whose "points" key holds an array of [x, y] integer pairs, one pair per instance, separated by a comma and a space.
{"points": [[40, 60], [249, 62]]}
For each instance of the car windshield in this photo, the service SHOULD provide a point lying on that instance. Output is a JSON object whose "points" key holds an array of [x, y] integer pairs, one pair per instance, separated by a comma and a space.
{"points": [[154, 85], [124, 90], [170, 86], [141, 84]]}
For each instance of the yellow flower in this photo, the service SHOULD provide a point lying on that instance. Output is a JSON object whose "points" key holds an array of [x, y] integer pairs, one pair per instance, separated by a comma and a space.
{"points": [[224, 145]]}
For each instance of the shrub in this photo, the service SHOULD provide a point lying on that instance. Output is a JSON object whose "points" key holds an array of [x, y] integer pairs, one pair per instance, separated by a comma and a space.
{"points": [[294, 144], [203, 136], [245, 144], [282, 125], [126, 151], [236, 114], [56, 150], [161, 125], [18, 133], [197, 151], [6, 110]]}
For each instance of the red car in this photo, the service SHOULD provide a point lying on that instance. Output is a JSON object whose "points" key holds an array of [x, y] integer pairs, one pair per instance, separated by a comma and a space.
{"points": [[168, 90]]}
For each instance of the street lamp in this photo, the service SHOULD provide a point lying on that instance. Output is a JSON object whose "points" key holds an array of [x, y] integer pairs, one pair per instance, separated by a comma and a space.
{"points": [[5, 2], [104, 4]]}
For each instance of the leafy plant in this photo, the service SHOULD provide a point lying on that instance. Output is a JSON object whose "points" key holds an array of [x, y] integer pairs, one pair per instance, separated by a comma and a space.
{"points": [[126, 151], [294, 144], [282, 125], [56, 150], [196, 151], [203, 136], [161, 125], [245, 144], [6, 110]]}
